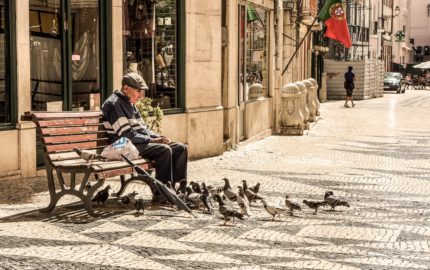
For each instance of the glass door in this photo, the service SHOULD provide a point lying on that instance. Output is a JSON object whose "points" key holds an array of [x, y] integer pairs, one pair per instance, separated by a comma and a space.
{"points": [[241, 97], [65, 55]]}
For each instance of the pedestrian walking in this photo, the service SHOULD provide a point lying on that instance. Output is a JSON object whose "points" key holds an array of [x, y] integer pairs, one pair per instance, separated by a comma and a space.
{"points": [[349, 86]]}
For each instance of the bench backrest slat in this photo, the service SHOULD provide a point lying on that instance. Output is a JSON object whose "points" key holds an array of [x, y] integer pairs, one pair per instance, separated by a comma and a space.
{"points": [[70, 122], [71, 130], [74, 138], [54, 148]]}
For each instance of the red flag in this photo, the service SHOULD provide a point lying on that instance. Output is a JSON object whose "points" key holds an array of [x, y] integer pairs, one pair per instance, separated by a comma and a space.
{"points": [[334, 17]]}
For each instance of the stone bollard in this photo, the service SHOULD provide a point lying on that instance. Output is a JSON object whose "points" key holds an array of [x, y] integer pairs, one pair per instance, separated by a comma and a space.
{"points": [[310, 100], [304, 107], [317, 102], [291, 114]]}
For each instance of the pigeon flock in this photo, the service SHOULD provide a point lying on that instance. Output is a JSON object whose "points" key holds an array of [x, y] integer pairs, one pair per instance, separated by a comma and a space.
{"points": [[200, 196]]}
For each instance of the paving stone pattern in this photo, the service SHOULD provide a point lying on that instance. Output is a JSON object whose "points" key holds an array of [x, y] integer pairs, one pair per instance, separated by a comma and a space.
{"points": [[376, 156]]}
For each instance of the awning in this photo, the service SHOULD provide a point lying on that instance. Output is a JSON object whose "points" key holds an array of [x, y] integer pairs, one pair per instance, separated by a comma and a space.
{"points": [[404, 47], [423, 65]]}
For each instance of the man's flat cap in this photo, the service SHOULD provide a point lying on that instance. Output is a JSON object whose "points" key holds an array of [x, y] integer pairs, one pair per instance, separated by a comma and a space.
{"points": [[134, 80]]}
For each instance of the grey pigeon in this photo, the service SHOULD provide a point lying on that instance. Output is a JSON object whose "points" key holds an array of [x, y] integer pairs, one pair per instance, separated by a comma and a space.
{"points": [[291, 205], [229, 193], [243, 202], [130, 198], [139, 204], [333, 202], [102, 195], [274, 210], [227, 211], [314, 205], [206, 198], [195, 187], [255, 188], [182, 187], [214, 190], [250, 194], [194, 198]]}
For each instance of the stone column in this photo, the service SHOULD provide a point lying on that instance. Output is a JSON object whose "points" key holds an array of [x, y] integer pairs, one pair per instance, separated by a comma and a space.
{"points": [[291, 114], [304, 107], [315, 91], [310, 100]]}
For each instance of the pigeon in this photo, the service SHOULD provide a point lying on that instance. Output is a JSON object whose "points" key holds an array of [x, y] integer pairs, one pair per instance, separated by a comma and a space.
{"points": [[139, 204], [206, 198], [195, 187], [102, 195], [333, 202], [291, 205], [182, 187], [228, 191], [194, 198], [250, 194], [314, 205], [227, 211], [227, 201], [215, 190], [130, 198], [255, 188], [274, 210], [87, 155], [243, 202]]}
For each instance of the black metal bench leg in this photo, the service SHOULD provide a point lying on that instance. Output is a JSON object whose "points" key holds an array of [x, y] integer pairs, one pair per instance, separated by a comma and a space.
{"points": [[124, 184], [52, 194], [86, 198]]}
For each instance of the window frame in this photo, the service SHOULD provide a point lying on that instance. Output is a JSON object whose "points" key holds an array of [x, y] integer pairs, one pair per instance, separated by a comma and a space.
{"points": [[10, 63]]}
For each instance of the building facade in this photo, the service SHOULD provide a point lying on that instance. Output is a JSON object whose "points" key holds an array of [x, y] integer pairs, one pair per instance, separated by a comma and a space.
{"points": [[210, 65], [419, 33]]}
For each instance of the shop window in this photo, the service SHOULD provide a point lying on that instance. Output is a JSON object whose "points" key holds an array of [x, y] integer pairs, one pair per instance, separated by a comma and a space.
{"points": [[253, 52], [5, 92], [150, 38]]}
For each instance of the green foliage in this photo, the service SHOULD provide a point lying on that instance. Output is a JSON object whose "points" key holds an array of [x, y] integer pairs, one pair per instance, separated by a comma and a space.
{"points": [[151, 115]]}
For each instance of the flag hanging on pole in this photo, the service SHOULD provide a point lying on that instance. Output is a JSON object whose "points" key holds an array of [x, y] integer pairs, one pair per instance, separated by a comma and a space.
{"points": [[334, 17]]}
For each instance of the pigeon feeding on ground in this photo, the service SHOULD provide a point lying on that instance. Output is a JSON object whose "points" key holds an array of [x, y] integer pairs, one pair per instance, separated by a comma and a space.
{"points": [[102, 195], [88, 156], [255, 188], [250, 194], [333, 202], [182, 187], [194, 198], [206, 198], [274, 210], [314, 205], [243, 202], [229, 193], [227, 211], [195, 187], [130, 198], [139, 204], [291, 205]]}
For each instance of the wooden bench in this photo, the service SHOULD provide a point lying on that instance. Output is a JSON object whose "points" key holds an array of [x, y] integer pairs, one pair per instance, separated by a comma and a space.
{"points": [[59, 133]]}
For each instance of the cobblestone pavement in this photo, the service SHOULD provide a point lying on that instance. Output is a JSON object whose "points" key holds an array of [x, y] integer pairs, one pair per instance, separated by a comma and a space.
{"points": [[376, 156]]}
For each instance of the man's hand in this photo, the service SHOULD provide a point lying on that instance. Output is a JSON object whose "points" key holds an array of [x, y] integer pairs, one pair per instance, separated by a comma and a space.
{"points": [[162, 140]]}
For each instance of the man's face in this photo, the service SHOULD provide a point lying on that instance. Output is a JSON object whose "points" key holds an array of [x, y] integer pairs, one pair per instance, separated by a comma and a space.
{"points": [[133, 94]]}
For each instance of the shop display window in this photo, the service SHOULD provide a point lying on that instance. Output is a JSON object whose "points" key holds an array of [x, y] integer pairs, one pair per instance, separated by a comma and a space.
{"points": [[5, 109], [150, 47], [253, 52]]}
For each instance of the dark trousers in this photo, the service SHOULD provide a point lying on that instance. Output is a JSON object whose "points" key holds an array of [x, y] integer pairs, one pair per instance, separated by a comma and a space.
{"points": [[170, 160]]}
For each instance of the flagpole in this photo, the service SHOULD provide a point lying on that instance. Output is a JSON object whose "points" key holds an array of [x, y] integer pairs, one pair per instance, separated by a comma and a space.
{"points": [[300, 44]]}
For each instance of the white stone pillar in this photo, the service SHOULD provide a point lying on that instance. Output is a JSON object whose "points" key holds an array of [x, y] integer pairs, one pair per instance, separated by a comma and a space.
{"points": [[316, 100], [310, 100], [304, 107], [291, 114]]}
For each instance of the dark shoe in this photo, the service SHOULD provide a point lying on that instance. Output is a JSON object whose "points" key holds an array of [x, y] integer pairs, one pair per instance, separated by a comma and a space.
{"points": [[346, 106]]}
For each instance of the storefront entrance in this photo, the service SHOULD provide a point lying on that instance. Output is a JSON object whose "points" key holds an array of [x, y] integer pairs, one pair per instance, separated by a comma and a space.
{"points": [[65, 55]]}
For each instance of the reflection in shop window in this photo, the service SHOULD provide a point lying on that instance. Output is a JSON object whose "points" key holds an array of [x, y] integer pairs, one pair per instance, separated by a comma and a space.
{"points": [[254, 49], [150, 35], [5, 111]]}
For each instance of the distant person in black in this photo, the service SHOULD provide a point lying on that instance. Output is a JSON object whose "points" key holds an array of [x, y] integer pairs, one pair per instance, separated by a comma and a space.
{"points": [[349, 86]]}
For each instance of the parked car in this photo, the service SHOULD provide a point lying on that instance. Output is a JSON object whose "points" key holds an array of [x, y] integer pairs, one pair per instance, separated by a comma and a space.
{"points": [[393, 81]]}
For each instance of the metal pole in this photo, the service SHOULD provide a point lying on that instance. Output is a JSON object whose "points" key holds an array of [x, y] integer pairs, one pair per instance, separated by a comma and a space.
{"points": [[300, 44]]}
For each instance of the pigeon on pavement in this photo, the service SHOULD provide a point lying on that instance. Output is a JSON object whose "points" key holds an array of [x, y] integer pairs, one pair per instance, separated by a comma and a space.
{"points": [[228, 191], [333, 202], [250, 194], [243, 202], [102, 195], [314, 205], [291, 205], [274, 210], [227, 211], [139, 204], [130, 198]]}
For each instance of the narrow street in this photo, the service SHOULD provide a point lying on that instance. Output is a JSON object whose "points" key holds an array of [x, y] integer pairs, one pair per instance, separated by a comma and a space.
{"points": [[376, 156]]}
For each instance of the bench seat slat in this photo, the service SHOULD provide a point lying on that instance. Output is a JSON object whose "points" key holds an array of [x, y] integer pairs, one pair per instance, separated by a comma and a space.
{"points": [[69, 130], [96, 166], [74, 138], [82, 145], [70, 122], [38, 116]]}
